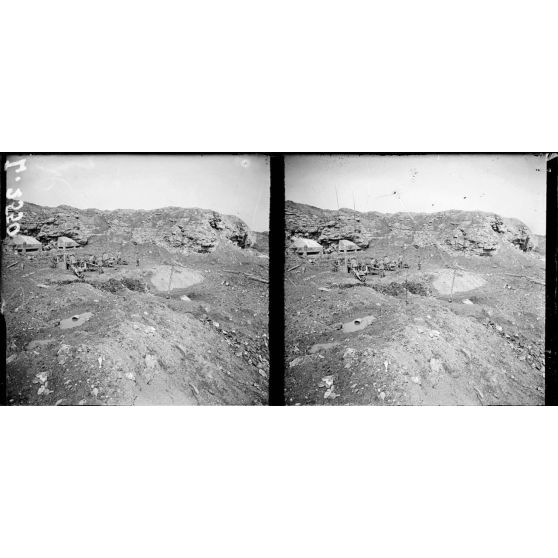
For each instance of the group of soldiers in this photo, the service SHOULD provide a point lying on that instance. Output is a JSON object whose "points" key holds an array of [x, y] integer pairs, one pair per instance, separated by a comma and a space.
{"points": [[371, 266], [80, 264]]}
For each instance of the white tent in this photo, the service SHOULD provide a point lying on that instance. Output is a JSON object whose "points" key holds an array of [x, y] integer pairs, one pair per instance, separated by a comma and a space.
{"points": [[306, 246], [21, 241], [64, 241], [347, 246]]}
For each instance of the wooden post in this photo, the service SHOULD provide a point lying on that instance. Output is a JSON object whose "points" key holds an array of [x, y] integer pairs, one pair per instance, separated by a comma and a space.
{"points": [[64, 249], [452, 282], [406, 286], [345, 251], [170, 281]]}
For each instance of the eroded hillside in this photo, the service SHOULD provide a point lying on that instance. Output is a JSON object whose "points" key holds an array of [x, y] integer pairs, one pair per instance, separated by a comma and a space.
{"points": [[463, 324], [183, 321]]}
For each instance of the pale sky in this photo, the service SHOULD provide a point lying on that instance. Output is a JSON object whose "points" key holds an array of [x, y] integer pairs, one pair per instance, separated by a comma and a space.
{"points": [[229, 184], [508, 185]]}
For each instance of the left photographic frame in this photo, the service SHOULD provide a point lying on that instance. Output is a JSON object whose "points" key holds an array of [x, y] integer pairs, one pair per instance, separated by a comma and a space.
{"points": [[135, 279]]}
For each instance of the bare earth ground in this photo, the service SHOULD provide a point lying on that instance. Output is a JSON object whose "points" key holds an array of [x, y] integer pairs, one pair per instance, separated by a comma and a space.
{"points": [[428, 351], [138, 347]]}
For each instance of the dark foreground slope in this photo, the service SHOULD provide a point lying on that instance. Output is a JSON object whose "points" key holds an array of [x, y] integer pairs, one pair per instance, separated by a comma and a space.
{"points": [[484, 347], [204, 345]]}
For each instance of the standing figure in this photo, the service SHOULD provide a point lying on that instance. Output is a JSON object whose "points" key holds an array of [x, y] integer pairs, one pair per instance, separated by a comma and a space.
{"points": [[381, 268]]}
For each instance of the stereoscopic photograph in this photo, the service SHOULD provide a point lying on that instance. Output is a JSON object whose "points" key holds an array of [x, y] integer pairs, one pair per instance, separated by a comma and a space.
{"points": [[136, 280], [415, 279]]}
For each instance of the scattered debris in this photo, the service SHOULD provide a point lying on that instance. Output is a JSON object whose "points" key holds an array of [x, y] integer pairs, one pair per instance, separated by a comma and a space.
{"points": [[436, 366], [327, 381], [479, 394], [63, 353], [150, 362], [330, 393], [38, 343], [252, 277], [42, 377], [321, 347]]}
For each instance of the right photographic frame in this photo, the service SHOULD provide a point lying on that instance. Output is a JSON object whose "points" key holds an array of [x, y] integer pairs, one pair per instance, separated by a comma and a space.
{"points": [[415, 279]]}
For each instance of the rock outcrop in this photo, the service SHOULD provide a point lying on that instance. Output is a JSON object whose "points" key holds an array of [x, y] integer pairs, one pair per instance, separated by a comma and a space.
{"points": [[189, 230], [469, 232]]}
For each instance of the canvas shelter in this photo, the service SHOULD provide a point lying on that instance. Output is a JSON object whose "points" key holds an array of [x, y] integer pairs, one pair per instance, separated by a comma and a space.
{"points": [[306, 246], [347, 246], [65, 242], [20, 241]]}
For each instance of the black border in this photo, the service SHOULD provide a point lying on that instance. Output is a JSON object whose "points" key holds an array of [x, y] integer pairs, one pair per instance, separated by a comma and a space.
{"points": [[276, 282], [551, 335]]}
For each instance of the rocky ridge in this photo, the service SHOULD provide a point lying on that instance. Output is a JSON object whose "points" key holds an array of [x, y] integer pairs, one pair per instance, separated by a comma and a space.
{"points": [[468, 232], [182, 229]]}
